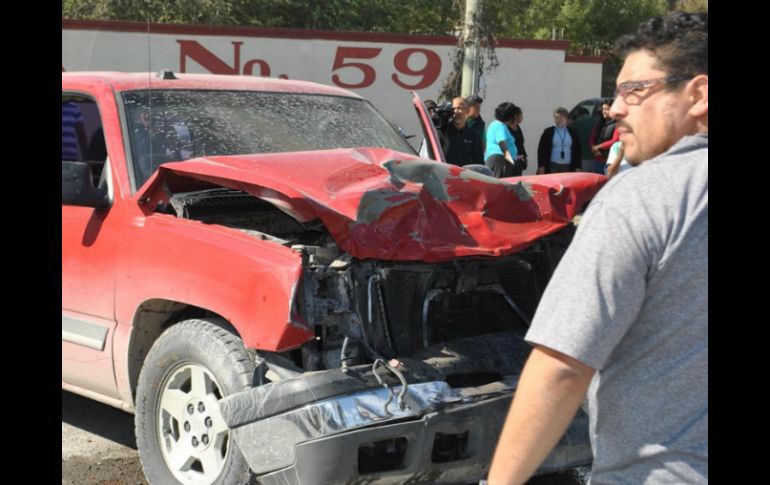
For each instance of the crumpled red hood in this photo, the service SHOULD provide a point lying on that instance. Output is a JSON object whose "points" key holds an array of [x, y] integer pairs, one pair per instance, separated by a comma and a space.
{"points": [[382, 204]]}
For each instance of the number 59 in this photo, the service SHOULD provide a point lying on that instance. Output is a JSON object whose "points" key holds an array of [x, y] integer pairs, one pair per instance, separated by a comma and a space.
{"points": [[428, 74]]}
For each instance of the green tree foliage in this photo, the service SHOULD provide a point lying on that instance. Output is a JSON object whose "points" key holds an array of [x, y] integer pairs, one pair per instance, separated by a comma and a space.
{"points": [[408, 16], [595, 25], [591, 25], [212, 12]]}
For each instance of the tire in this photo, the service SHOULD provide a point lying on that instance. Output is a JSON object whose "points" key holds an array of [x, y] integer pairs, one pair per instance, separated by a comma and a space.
{"points": [[189, 368]]}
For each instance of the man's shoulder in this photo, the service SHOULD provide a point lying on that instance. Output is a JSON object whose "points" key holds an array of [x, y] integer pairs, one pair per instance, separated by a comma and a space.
{"points": [[688, 156], [684, 164]]}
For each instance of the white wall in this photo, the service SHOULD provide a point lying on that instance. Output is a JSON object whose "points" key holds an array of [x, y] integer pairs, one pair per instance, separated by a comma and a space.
{"points": [[531, 79], [582, 80], [532, 74]]}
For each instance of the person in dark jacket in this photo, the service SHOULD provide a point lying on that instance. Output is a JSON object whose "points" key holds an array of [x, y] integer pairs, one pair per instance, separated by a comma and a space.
{"points": [[515, 128], [559, 148], [462, 145], [475, 121], [603, 136]]}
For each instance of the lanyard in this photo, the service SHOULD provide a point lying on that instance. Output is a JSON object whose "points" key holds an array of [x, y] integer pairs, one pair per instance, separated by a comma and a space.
{"points": [[562, 135]]}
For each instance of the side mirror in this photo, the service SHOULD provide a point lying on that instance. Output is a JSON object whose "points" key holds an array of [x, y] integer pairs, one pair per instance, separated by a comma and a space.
{"points": [[77, 186]]}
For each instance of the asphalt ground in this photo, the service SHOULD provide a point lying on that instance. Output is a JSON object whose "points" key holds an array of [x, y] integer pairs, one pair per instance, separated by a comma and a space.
{"points": [[97, 444]]}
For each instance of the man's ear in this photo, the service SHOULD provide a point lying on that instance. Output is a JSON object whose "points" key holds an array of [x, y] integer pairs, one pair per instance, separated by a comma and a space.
{"points": [[698, 90]]}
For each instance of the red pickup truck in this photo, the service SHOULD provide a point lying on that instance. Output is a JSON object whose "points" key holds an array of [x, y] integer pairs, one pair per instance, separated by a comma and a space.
{"points": [[267, 275]]}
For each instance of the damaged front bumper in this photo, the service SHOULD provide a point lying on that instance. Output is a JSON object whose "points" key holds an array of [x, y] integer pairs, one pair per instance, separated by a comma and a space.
{"points": [[332, 427]]}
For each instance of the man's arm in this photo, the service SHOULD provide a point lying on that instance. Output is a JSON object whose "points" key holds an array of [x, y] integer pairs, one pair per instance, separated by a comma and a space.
{"points": [[607, 144], [550, 390], [613, 168]]}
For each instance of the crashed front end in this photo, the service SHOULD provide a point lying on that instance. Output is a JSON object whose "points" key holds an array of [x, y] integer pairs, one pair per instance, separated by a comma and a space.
{"points": [[410, 376], [419, 281]]}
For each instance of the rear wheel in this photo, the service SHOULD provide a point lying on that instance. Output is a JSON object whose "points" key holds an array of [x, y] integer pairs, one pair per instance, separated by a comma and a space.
{"points": [[181, 435]]}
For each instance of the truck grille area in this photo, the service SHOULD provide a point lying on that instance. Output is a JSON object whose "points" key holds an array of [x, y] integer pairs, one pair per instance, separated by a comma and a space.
{"points": [[363, 310], [409, 307]]}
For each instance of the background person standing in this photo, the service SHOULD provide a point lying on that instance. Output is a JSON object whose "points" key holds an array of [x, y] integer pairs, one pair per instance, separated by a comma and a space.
{"points": [[475, 121], [520, 164], [559, 147], [462, 145], [603, 136], [501, 147]]}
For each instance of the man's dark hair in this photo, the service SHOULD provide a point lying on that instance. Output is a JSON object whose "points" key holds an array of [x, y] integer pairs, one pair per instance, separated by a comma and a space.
{"points": [[679, 41], [474, 100], [505, 112]]}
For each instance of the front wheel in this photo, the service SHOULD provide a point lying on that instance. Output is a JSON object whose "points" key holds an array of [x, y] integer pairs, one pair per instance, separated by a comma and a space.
{"points": [[180, 433]]}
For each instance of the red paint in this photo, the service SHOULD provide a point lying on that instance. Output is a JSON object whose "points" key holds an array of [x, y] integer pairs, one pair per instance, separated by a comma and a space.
{"points": [[115, 260], [207, 59], [429, 73], [341, 61], [131, 81], [483, 216], [428, 129]]}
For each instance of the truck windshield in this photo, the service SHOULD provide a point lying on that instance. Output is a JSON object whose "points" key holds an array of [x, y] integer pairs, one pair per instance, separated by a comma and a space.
{"points": [[175, 125]]}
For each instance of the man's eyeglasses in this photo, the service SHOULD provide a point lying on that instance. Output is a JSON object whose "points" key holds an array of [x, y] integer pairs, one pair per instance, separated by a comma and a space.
{"points": [[633, 87]]}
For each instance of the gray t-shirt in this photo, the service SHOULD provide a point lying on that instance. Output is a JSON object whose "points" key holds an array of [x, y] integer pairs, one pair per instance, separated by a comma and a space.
{"points": [[630, 299]]}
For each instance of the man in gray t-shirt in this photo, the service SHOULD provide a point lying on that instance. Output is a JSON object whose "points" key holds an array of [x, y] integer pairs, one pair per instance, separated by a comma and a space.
{"points": [[624, 318]]}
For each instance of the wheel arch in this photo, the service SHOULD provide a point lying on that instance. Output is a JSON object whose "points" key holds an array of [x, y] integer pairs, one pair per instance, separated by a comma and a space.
{"points": [[151, 319]]}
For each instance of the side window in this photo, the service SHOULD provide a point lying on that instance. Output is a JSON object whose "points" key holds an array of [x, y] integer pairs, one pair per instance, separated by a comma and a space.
{"points": [[82, 136]]}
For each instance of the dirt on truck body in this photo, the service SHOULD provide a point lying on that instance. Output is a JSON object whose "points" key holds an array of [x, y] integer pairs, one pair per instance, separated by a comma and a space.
{"points": [[298, 299]]}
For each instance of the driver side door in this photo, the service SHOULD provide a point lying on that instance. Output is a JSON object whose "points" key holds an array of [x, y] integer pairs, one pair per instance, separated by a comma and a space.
{"points": [[89, 237]]}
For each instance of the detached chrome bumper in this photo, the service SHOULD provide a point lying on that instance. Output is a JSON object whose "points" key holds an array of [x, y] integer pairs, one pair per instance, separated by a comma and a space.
{"points": [[440, 434]]}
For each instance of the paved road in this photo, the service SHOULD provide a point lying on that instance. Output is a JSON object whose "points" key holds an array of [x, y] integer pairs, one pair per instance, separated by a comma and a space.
{"points": [[97, 444]]}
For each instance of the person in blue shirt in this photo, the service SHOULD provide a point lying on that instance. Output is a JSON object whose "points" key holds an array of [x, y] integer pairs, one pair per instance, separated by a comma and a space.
{"points": [[73, 135], [501, 150]]}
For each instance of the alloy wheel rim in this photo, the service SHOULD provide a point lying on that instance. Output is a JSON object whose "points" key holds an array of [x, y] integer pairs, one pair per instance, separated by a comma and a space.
{"points": [[192, 434]]}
